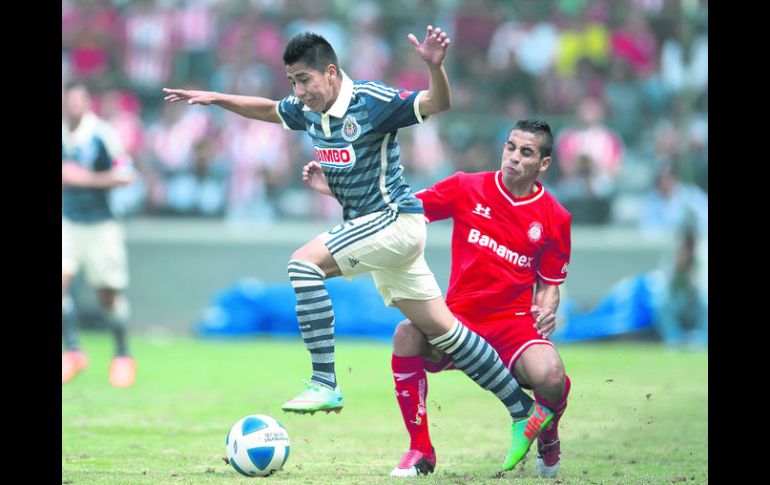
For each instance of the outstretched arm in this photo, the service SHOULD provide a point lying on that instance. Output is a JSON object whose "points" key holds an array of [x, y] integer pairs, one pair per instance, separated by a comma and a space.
{"points": [[313, 176], [253, 107], [544, 307], [432, 51], [75, 175]]}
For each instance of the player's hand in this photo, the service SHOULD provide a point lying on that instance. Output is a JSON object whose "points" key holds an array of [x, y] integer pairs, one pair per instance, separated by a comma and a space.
{"points": [[123, 177], [313, 176], [545, 320], [193, 97], [74, 174], [433, 48]]}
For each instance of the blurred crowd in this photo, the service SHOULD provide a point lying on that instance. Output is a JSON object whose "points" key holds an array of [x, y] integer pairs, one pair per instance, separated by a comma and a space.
{"points": [[624, 85]]}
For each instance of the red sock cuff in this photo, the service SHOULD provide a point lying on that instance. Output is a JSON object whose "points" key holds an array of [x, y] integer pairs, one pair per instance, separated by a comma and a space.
{"points": [[558, 406], [410, 363]]}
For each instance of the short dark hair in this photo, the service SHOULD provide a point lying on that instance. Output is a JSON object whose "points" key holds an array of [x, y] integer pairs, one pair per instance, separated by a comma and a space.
{"points": [[539, 128], [76, 84], [311, 49]]}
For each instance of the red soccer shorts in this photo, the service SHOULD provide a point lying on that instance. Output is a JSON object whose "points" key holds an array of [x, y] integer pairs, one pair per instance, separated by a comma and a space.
{"points": [[509, 336]]}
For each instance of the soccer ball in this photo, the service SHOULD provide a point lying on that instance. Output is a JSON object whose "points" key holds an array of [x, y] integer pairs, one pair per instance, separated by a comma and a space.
{"points": [[257, 445]]}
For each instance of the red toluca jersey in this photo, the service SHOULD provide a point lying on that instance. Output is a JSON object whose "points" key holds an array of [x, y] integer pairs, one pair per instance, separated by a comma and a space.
{"points": [[500, 244]]}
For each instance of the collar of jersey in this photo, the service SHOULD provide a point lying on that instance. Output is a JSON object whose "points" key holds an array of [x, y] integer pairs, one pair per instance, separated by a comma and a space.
{"points": [[85, 128], [340, 106], [521, 200]]}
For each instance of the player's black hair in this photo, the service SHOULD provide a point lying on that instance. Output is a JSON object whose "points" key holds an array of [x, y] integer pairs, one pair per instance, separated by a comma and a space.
{"points": [[76, 83], [310, 49], [539, 128]]}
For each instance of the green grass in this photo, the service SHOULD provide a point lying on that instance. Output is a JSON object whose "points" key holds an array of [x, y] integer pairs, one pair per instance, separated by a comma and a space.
{"points": [[637, 414]]}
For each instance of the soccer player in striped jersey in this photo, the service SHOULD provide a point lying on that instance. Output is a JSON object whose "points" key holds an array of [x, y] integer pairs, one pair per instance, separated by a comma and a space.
{"points": [[93, 162], [510, 252], [353, 126]]}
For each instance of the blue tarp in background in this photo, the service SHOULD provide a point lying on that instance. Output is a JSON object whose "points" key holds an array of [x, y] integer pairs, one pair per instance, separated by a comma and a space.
{"points": [[251, 307]]}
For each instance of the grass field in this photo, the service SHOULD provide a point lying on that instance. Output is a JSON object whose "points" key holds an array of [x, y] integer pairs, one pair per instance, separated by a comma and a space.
{"points": [[638, 414]]}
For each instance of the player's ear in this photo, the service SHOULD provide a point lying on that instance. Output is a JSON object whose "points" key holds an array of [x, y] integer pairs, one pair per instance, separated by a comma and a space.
{"points": [[545, 163], [331, 72]]}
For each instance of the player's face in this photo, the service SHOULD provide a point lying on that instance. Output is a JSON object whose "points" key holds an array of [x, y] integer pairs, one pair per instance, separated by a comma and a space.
{"points": [[76, 103], [522, 162], [315, 88]]}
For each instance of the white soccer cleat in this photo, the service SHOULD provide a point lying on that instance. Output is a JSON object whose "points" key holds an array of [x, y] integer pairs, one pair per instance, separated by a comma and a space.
{"points": [[415, 463], [548, 458]]}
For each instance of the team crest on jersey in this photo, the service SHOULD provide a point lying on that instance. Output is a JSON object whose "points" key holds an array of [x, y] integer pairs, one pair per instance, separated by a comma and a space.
{"points": [[350, 128], [535, 231]]}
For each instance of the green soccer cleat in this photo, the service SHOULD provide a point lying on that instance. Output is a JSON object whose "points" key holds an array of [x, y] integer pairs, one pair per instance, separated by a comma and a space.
{"points": [[315, 398], [524, 433]]}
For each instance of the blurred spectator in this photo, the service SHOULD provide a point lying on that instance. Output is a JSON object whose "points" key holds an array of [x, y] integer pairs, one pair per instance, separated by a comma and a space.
{"points": [[475, 24], [584, 38], [624, 101], [122, 110], [681, 139], [528, 41], [195, 31], [411, 74], [646, 60], [684, 59], [170, 152], [423, 156], [671, 205], [203, 190], [589, 156], [250, 38], [635, 43], [149, 48], [90, 38], [316, 17], [681, 302], [373, 55], [241, 74], [258, 156]]}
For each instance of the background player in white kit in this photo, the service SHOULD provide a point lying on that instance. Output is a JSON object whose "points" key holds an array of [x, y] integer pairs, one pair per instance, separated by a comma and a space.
{"points": [[353, 126], [509, 236], [93, 162]]}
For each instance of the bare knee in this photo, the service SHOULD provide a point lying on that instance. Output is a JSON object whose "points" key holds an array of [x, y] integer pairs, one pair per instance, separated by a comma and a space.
{"points": [[65, 284], [107, 297], [553, 376], [548, 379], [408, 340], [299, 255], [316, 254]]}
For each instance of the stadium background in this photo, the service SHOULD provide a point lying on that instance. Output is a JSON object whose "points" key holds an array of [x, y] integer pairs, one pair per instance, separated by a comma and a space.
{"points": [[221, 198]]}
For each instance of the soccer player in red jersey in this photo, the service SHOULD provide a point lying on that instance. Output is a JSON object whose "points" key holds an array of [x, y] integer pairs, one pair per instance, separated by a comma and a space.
{"points": [[510, 252]]}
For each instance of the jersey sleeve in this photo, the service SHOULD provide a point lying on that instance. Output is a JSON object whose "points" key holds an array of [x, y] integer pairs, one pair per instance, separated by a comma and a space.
{"points": [[390, 108], [438, 201], [116, 155], [555, 260], [290, 111]]}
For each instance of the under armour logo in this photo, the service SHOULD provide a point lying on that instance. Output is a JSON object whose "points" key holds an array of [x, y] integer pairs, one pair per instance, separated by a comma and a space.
{"points": [[482, 211], [400, 376], [353, 261]]}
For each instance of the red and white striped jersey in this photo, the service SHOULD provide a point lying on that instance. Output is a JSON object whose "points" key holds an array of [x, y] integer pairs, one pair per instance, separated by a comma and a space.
{"points": [[500, 244]]}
